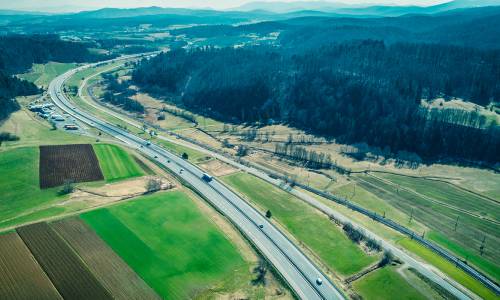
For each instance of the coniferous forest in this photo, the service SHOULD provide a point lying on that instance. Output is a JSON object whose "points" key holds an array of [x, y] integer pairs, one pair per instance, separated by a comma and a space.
{"points": [[355, 91]]}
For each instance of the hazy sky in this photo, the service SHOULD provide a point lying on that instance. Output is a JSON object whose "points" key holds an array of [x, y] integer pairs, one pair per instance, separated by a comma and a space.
{"points": [[66, 5]]}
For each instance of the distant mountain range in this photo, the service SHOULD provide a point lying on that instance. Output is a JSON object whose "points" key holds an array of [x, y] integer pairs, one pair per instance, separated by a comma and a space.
{"points": [[313, 11], [372, 10], [261, 8]]}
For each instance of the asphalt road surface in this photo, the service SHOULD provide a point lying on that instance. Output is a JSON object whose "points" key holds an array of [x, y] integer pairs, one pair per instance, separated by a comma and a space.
{"points": [[300, 273]]}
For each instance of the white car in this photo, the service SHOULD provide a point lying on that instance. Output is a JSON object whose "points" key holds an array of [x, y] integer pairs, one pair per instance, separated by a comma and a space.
{"points": [[319, 281]]}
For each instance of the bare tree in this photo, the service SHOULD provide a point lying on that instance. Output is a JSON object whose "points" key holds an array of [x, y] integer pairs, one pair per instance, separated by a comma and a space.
{"points": [[153, 185]]}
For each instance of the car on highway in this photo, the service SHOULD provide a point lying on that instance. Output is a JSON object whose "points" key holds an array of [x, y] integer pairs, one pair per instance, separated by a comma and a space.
{"points": [[319, 281], [261, 226]]}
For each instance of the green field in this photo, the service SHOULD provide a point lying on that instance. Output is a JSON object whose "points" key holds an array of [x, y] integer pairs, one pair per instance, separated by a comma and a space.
{"points": [[42, 74], [116, 163], [19, 184], [316, 231], [448, 268], [386, 283], [174, 247], [437, 205], [361, 196]]}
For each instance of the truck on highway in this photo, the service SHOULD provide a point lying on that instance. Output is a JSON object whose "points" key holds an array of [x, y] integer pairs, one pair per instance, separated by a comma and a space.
{"points": [[206, 177]]}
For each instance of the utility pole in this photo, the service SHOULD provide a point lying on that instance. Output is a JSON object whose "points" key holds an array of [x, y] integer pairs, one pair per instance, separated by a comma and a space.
{"points": [[411, 216], [456, 224]]}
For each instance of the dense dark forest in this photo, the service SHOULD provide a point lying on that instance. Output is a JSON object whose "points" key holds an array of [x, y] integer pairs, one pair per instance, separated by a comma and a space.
{"points": [[357, 91], [11, 87], [19, 52]]}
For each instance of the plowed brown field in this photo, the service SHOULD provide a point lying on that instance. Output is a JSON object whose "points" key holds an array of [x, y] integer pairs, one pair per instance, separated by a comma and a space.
{"points": [[76, 163], [115, 275], [65, 269], [20, 275]]}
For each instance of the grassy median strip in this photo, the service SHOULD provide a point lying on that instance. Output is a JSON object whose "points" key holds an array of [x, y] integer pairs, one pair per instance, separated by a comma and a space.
{"points": [[315, 230]]}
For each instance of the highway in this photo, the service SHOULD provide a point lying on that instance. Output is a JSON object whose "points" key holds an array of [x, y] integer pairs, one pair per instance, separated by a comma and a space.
{"points": [[297, 270], [429, 271]]}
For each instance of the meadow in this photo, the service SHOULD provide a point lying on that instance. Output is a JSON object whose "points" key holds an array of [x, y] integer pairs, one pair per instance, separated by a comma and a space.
{"points": [[171, 245], [308, 226], [19, 183], [116, 163], [438, 205], [386, 283], [42, 74]]}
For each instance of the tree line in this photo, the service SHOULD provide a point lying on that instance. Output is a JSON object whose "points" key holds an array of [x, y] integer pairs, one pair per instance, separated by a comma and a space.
{"points": [[311, 158], [19, 52], [119, 94], [357, 91]]}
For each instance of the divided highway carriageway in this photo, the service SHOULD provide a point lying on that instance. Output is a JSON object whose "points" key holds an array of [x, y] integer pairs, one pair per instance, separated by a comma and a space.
{"points": [[301, 274]]}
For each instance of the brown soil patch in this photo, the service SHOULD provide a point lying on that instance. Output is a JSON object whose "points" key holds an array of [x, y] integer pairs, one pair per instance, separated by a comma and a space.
{"points": [[218, 168], [21, 276], [97, 196], [62, 265], [115, 275], [76, 163]]}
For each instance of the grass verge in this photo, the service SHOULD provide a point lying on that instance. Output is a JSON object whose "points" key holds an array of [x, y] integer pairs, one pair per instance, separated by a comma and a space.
{"points": [[386, 283], [304, 223], [448, 268]]}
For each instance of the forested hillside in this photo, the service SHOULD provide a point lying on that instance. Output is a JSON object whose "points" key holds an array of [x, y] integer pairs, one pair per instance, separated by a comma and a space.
{"points": [[10, 87], [19, 52], [361, 91]]}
